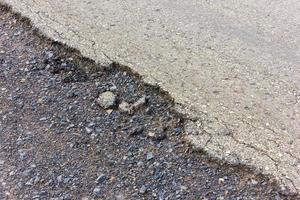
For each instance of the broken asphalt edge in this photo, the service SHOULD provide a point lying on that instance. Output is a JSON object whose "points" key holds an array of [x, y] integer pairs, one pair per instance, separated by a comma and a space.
{"points": [[197, 136]]}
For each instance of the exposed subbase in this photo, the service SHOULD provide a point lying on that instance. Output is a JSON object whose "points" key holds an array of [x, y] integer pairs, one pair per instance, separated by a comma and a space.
{"points": [[72, 129]]}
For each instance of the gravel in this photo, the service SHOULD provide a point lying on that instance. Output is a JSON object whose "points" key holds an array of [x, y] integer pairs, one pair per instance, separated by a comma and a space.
{"points": [[80, 150]]}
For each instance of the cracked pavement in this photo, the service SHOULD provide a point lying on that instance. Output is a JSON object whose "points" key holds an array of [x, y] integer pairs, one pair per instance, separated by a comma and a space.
{"points": [[232, 67]]}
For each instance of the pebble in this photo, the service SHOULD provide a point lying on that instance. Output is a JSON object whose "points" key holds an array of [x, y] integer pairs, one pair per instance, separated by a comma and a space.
{"points": [[23, 154], [151, 134], [143, 189], [140, 164], [124, 107], [97, 191], [101, 178], [221, 180], [49, 54], [59, 178], [94, 136], [88, 130], [136, 131], [253, 182], [139, 103], [157, 136], [113, 88], [183, 187], [150, 156], [107, 100], [43, 119]]}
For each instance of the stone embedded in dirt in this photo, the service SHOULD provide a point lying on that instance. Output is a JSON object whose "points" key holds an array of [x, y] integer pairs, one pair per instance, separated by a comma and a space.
{"points": [[143, 189], [101, 178], [97, 191], [94, 136], [140, 102], [23, 154], [107, 100], [49, 54], [125, 107], [136, 131], [59, 178], [149, 156], [151, 134], [221, 181], [109, 111], [113, 88], [88, 130], [157, 136]]}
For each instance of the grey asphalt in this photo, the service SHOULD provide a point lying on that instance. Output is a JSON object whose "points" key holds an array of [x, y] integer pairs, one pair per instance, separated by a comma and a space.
{"points": [[232, 66]]}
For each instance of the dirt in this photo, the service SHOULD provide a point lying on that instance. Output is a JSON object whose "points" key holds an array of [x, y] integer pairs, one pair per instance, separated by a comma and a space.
{"points": [[56, 142]]}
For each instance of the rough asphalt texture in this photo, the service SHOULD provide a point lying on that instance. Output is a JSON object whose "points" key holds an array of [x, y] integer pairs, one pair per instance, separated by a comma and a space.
{"points": [[235, 64], [56, 142]]}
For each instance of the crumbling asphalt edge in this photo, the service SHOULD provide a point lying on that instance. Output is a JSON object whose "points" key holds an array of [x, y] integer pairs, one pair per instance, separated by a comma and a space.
{"points": [[197, 133]]}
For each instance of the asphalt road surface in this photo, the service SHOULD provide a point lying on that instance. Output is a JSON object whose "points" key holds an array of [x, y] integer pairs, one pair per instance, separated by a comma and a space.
{"points": [[232, 66]]}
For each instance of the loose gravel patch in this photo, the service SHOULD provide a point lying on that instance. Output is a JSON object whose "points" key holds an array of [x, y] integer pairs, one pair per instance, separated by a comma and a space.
{"points": [[57, 142]]}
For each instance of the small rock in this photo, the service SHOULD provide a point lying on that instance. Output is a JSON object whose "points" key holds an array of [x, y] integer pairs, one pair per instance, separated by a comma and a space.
{"points": [[48, 67], [253, 182], [23, 154], [140, 164], [221, 181], [70, 126], [29, 183], [109, 111], [139, 103], [125, 107], [49, 54], [149, 156], [59, 178], [43, 119], [183, 187], [66, 180], [107, 100], [137, 131], [113, 88], [143, 189], [97, 191], [94, 136], [91, 124], [157, 136], [101, 178], [151, 134], [97, 84], [12, 173], [27, 172], [36, 180], [120, 197], [88, 130]]}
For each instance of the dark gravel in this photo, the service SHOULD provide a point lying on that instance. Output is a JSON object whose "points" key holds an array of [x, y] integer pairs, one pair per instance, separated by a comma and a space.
{"points": [[56, 142]]}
